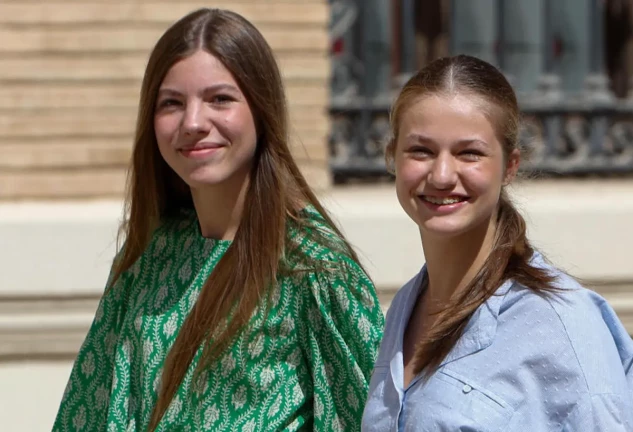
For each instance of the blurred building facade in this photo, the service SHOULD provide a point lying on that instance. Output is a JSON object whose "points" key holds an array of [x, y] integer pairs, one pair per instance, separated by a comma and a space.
{"points": [[70, 75], [569, 61]]}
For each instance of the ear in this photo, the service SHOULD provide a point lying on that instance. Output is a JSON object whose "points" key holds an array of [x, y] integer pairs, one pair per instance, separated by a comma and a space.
{"points": [[512, 167], [390, 156]]}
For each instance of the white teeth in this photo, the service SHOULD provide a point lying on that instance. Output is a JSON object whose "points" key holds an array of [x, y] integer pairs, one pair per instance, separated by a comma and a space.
{"points": [[442, 201]]}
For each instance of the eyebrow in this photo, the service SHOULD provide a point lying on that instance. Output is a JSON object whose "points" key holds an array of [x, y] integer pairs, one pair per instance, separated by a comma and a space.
{"points": [[423, 139], [210, 89]]}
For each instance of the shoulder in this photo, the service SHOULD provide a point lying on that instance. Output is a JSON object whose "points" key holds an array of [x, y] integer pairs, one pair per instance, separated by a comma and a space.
{"points": [[318, 258], [602, 411], [314, 244], [575, 324]]}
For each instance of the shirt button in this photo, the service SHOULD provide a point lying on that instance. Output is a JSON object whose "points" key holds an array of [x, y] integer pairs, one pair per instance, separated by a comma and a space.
{"points": [[467, 388]]}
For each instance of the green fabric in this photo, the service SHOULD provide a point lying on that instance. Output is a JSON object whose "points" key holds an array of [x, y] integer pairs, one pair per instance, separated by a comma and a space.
{"points": [[304, 365]]}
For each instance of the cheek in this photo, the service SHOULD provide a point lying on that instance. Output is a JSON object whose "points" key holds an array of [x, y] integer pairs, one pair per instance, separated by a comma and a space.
{"points": [[483, 178], [164, 129], [409, 173], [239, 125]]}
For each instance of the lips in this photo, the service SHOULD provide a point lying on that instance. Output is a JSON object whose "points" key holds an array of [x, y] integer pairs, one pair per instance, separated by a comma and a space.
{"points": [[200, 150], [200, 146]]}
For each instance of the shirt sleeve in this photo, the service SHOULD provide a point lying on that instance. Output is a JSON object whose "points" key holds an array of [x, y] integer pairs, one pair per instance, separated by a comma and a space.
{"points": [[86, 398], [601, 412], [340, 336]]}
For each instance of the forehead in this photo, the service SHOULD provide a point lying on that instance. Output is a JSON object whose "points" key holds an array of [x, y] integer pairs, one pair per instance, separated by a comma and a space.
{"points": [[198, 69], [448, 118]]}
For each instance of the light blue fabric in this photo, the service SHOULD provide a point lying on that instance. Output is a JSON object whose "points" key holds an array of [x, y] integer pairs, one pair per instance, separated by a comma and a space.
{"points": [[525, 362]]}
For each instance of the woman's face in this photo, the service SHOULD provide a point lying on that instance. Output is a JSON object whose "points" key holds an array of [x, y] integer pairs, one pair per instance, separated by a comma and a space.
{"points": [[450, 166], [203, 123]]}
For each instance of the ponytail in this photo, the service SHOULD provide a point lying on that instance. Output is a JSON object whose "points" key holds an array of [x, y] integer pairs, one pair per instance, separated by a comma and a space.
{"points": [[509, 259]]}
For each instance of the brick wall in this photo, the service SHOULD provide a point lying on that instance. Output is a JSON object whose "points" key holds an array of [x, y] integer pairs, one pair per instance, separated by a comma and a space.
{"points": [[70, 75]]}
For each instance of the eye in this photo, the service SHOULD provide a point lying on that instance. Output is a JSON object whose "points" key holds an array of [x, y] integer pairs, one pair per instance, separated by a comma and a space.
{"points": [[221, 99], [170, 102], [471, 154], [420, 151]]}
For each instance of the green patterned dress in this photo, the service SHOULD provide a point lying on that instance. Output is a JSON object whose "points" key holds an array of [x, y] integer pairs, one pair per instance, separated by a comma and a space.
{"points": [[303, 366]]}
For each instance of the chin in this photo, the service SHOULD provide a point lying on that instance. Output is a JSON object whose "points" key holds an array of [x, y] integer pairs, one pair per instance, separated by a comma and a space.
{"points": [[444, 226], [201, 183], [443, 231], [447, 228], [201, 178]]}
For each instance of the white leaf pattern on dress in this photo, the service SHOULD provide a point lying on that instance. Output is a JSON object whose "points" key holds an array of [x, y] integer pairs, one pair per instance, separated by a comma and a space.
{"points": [[287, 326], [337, 425], [228, 364], [164, 272], [148, 347], [211, 415], [174, 408], [157, 381], [138, 323], [131, 427], [170, 326], [79, 421], [88, 365], [249, 426], [161, 242], [256, 347], [267, 376], [239, 398], [318, 408], [352, 399], [314, 319], [185, 271], [188, 244], [297, 394], [294, 359], [343, 298], [364, 328], [101, 396], [274, 409]]}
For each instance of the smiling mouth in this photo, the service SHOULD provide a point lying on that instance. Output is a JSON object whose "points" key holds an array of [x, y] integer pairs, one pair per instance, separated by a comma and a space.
{"points": [[443, 201], [199, 152]]}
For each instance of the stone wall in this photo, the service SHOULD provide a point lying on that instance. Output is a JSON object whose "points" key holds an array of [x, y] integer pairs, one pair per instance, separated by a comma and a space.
{"points": [[70, 74]]}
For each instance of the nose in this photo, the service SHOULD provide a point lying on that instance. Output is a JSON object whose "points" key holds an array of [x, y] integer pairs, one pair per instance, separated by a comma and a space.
{"points": [[195, 121], [443, 173]]}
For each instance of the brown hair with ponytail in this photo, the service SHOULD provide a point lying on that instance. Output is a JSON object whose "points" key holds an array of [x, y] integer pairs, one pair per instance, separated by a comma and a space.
{"points": [[276, 194], [511, 250]]}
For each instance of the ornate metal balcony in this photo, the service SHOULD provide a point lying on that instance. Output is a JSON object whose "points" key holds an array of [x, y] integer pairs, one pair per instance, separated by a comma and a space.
{"points": [[573, 124]]}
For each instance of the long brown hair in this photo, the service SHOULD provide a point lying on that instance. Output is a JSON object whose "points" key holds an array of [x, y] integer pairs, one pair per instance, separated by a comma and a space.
{"points": [[511, 250], [276, 193]]}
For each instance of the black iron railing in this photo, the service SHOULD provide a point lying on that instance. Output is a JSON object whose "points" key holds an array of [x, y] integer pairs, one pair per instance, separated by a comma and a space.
{"points": [[567, 131]]}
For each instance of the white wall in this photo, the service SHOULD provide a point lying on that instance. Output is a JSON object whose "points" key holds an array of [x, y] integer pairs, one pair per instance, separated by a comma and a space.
{"points": [[55, 258]]}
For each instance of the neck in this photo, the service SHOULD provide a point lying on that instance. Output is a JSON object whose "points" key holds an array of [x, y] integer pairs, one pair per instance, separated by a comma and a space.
{"points": [[452, 263], [219, 208]]}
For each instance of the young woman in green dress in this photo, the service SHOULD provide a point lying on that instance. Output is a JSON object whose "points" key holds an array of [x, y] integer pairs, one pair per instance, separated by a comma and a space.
{"points": [[235, 303]]}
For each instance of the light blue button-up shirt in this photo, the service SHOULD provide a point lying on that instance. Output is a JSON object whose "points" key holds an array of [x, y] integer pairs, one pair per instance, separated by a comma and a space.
{"points": [[525, 362]]}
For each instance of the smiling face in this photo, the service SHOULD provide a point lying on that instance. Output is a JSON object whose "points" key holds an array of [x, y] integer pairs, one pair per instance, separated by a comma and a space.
{"points": [[450, 166], [204, 126]]}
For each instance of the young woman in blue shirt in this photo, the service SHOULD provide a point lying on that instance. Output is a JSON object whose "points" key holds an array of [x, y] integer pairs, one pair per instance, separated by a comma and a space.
{"points": [[488, 336]]}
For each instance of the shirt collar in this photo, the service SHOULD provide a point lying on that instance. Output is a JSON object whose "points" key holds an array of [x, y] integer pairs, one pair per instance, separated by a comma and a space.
{"points": [[481, 328]]}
